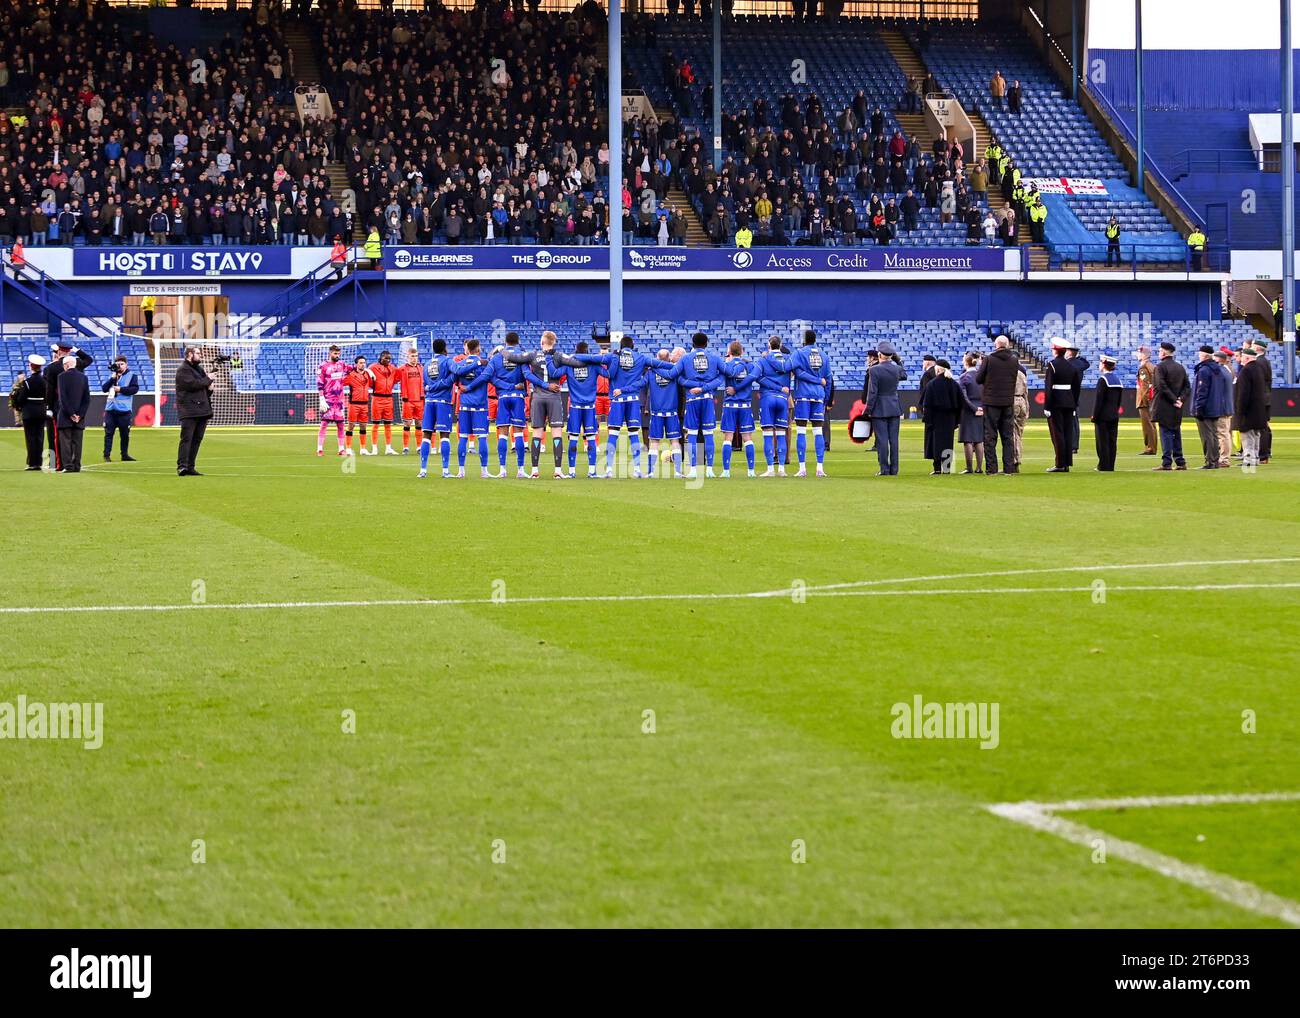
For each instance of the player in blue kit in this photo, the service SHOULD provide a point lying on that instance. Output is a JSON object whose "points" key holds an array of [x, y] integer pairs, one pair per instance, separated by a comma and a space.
{"points": [[626, 370], [508, 380], [812, 373], [473, 375], [738, 406], [437, 408], [700, 374], [774, 384], [665, 424], [583, 379]]}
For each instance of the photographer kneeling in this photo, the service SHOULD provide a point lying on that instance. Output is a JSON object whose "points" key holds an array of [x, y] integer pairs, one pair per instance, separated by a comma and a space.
{"points": [[120, 386], [194, 407]]}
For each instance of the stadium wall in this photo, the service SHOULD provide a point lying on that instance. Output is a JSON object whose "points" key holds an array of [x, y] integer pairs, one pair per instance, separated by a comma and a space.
{"points": [[680, 300]]}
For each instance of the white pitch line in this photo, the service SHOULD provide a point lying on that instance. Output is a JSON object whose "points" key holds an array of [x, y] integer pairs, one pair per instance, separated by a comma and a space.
{"points": [[463, 602], [1056, 569], [1241, 893]]}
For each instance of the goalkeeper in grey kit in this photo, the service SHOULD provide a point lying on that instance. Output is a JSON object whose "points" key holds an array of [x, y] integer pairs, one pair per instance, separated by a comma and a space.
{"points": [[545, 369]]}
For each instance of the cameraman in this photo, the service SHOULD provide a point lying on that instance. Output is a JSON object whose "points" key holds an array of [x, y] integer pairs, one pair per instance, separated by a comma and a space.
{"points": [[194, 406], [120, 386]]}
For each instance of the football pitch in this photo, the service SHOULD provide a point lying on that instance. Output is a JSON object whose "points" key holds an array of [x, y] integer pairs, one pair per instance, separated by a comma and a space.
{"points": [[341, 697]]}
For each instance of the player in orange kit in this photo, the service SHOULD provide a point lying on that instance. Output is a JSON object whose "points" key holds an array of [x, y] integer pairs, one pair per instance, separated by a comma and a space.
{"points": [[385, 374], [411, 378], [359, 382]]}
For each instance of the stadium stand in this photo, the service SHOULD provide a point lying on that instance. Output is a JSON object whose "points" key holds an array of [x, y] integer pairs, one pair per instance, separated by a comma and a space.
{"points": [[781, 142], [1050, 136]]}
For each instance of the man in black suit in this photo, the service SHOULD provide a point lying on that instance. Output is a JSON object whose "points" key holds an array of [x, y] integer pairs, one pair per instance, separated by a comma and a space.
{"points": [[1172, 393], [74, 404], [997, 374], [62, 349], [194, 406], [1059, 405], [927, 432], [1266, 370], [28, 400]]}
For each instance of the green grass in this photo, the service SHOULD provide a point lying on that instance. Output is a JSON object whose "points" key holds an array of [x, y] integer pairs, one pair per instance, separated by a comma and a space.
{"points": [[523, 722]]}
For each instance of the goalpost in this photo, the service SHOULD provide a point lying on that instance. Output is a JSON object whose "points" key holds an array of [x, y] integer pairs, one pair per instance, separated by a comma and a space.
{"points": [[266, 381]]}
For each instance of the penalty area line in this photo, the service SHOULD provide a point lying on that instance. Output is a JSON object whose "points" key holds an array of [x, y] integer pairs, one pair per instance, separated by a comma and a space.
{"points": [[465, 602], [1043, 817]]}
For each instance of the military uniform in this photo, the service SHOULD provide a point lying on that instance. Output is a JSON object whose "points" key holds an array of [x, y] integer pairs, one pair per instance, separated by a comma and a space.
{"points": [[29, 402], [1146, 381], [1060, 404]]}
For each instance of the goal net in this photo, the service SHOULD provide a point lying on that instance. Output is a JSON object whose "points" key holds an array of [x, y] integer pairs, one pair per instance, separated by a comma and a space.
{"points": [[267, 381]]}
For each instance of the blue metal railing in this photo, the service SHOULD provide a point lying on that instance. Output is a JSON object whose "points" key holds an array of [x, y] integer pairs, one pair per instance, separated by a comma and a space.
{"points": [[300, 295], [1211, 160], [59, 299], [1131, 259]]}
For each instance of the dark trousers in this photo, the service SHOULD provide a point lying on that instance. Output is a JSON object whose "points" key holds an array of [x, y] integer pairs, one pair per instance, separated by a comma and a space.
{"points": [[192, 431], [1107, 436], [1058, 426], [1171, 446], [886, 431], [148, 323], [1266, 442], [1074, 432], [999, 422], [1208, 429], [117, 421], [34, 433], [1112, 253], [70, 439]]}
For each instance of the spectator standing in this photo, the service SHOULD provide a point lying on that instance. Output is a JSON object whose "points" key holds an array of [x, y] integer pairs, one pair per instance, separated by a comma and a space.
{"points": [[997, 375], [971, 429], [997, 89], [74, 404], [1250, 407], [1196, 244], [1172, 391], [194, 407], [942, 405], [1208, 398], [1014, 97], [1221, 358], [1266, 368], [121, 386]]}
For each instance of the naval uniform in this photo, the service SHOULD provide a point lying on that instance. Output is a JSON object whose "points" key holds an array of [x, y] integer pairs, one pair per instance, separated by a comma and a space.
{"points": [[1105, 418], [29, 401], [1060, 404]]}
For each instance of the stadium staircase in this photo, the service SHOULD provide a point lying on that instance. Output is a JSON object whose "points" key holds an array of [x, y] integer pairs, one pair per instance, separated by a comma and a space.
{"points": [[57, 299], [296, 301], [911, 64], [306, 70]]}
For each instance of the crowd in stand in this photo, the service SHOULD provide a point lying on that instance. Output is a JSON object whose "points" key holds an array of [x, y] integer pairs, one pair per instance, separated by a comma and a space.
{"points": [[123, 139], [126, 140], [443, 137]]}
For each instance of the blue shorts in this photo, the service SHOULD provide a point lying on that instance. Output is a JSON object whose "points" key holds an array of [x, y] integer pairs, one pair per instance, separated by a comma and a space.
{"points": [[437, 417], [582, 420], [472, 421], [809, 409], [510, 412], [701, 415], [667, 426], [738, 417], [625, 413], [774, 410]]}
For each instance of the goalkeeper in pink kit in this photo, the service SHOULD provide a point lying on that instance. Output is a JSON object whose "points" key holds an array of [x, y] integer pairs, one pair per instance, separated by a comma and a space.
{"points": [[329, 383]]}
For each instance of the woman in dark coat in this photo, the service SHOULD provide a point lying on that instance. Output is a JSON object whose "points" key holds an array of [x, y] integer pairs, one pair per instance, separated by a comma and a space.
{"points": [[941, 403], [972, 416]]}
